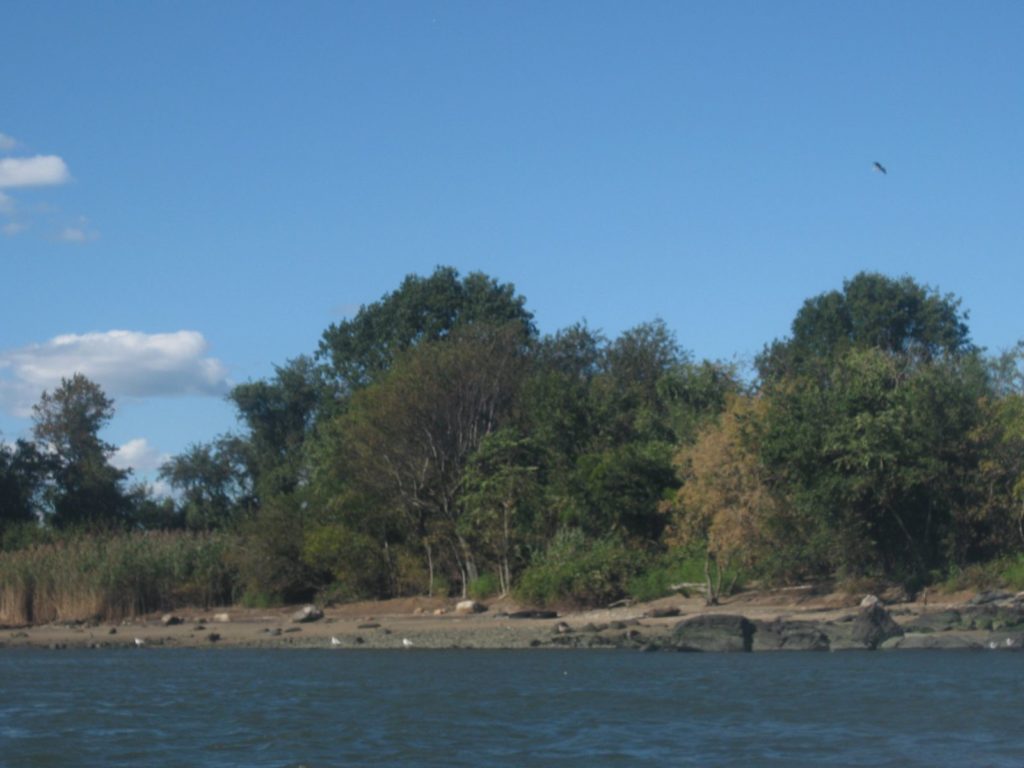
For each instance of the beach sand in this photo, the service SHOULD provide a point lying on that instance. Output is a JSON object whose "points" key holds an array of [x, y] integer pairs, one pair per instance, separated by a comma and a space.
{"points": [[434, 623]]}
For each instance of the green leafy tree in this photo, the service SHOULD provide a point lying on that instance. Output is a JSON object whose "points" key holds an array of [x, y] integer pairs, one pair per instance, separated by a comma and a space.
{"points": [[280, 414], [23, 473], [876, 461], [422, 309], [871, 312], [86, 490], [406, 440], [500, 490], [212, 483]]}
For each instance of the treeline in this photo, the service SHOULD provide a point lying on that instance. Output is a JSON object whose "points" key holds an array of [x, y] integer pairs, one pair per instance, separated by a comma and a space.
{"points": [[437, 443]]}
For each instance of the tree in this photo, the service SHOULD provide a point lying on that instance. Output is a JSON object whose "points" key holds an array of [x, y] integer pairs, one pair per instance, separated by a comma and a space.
{"points": [[724, 504], [499, 490], [876, 461], [423, 309], [280, 414], [23, 470], [212, 482], [406, 439], [873, 311], [86, 489]]}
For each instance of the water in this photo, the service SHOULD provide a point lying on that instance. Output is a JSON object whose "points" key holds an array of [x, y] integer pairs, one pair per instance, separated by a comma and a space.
{"points": [[218, 708]]}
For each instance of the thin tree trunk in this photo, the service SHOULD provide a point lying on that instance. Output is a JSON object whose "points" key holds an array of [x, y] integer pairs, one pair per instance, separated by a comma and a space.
{"points": [[430, 567], [711, 597]]}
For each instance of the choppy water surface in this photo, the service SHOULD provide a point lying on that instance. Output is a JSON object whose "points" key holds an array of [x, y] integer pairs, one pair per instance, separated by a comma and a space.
{"points": [[169, 707]]}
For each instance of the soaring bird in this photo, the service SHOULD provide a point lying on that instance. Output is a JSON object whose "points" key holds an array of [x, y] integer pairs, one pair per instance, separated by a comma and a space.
{"points": [[880, 168]]}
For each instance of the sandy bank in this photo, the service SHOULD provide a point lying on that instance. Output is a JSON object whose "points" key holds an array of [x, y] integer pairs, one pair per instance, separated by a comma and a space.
{"points": [[421, 623]]}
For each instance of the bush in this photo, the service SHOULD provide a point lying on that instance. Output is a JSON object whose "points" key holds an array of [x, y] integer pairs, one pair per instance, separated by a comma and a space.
{"points": [[580, 572], [352, 562], [483, 587], [677, 566], [1004, 573]]}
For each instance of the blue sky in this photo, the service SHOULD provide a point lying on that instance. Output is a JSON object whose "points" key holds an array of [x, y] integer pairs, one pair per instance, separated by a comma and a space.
{"points": [[219, 182]]}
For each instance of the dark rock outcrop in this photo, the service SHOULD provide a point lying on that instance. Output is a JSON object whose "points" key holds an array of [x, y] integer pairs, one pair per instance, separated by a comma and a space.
{"points": [[782, 635], [989, 596], [536, 614], [940, 621], [873, 626], [930, 641], [714, 633]]}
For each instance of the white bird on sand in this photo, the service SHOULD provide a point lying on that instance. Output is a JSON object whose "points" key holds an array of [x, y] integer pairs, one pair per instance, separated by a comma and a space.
{"points": [[139, 642], [406, 642], [335, 641], [880, 168]]}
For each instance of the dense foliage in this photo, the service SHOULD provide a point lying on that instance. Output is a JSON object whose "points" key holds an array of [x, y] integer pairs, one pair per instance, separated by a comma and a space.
{"points": [[436, 443]]}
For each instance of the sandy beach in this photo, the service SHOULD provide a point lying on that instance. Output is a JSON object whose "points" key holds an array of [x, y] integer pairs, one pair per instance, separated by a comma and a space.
{"points": [[434, 623]]}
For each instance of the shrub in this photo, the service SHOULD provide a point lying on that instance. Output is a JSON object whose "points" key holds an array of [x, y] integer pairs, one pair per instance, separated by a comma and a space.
{"points": [[483, 587], [352, 562], [578, 571], [677, 566]]}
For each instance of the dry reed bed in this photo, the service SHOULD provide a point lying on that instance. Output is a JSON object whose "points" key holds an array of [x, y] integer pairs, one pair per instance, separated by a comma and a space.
{"points": [[111, 577]]}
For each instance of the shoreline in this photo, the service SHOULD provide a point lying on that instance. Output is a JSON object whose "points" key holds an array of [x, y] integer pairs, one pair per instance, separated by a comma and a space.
{"points": [[781, 620]]}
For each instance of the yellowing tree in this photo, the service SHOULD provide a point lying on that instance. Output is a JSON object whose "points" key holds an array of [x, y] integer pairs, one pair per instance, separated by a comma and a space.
{"points": [[724, 502]]}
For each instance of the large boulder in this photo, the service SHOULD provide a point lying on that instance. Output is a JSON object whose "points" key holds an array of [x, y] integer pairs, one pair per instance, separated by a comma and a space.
{"points": [[713, 632], [873, 626]]}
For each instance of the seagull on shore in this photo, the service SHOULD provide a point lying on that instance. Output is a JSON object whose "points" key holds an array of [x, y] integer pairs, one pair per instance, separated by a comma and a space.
{"points": [[880, 168], [406, 642], [335, 641], [139, 642]]}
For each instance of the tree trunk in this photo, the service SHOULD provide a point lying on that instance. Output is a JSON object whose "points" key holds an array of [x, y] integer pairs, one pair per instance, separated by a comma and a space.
{"points": [[711, 595], [430, 567]]}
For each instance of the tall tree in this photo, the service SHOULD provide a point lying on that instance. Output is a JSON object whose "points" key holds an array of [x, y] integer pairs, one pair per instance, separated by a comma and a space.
{"points": [[422, 309], [87, 490], [407, 439], [877, 460], [23, 470], [212, 482], [499, 491], [280, 414], [872, 311], [724, 504]]}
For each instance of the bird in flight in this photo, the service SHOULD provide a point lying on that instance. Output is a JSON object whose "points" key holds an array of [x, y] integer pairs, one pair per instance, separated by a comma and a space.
{"points": [[880, 168]]}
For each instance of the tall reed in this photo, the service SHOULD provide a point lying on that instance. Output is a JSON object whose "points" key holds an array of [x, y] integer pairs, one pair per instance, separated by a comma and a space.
{"points": [[113, 577]]}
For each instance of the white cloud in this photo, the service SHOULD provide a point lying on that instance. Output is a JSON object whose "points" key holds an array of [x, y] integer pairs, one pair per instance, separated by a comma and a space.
{"points": [[77, 235], [139, 456], [7, 143], [124, 363], [38, 171], [12, 228], [6, 204]]}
